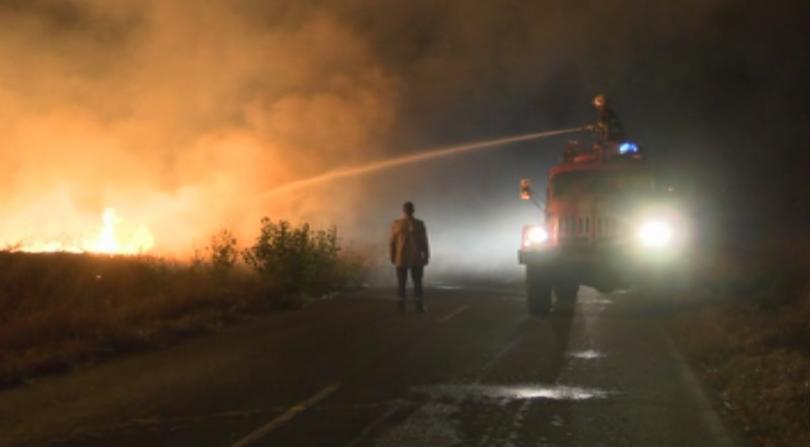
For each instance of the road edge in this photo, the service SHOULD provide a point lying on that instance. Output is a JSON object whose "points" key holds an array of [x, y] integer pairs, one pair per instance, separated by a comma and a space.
{"points": [[721, 433]]}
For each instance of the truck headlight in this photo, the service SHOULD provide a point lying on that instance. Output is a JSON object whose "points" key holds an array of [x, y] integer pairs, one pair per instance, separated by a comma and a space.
{"points": [[655, 234], [534, 236]]}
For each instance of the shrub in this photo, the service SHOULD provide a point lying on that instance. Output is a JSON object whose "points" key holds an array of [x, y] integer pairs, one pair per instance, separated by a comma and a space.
{"points": [[223, 251], [295, 260]]}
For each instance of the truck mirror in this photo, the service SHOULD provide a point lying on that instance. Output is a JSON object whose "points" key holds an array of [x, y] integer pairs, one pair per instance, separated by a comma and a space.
{"points": [[526, 192]]}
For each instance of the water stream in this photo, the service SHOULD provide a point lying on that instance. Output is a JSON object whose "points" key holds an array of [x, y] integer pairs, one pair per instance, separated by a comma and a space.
{"points": [[430, 154]]}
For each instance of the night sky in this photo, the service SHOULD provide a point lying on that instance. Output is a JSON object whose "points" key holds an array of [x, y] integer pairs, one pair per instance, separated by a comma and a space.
{"points": [[718, 92]]}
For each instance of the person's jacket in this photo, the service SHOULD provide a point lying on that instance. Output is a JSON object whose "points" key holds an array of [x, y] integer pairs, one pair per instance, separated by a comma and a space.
{"points": [[408, 245]]}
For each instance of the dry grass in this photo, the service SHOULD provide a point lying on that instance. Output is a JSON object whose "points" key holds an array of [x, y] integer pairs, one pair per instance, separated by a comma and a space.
{"points": [[748, 332], [60, 309]]}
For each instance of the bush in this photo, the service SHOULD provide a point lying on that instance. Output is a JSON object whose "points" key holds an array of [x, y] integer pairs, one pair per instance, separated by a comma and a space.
{"points": [[295, 260], [223, 251]]}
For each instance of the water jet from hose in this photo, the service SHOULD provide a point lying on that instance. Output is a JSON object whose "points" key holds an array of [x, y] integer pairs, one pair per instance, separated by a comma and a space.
{"points": [[410, 159]]}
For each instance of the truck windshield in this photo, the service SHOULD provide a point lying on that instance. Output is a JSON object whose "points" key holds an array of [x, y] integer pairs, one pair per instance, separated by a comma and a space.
{"points": [[590, 182]]}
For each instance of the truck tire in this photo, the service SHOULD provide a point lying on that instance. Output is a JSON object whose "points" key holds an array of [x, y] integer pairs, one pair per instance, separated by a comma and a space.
{"points": [[538, 290], [566, 292]]}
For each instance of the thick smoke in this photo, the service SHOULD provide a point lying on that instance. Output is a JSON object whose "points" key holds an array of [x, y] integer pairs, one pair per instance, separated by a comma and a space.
{"points": [[178, 114], [181, 114]]}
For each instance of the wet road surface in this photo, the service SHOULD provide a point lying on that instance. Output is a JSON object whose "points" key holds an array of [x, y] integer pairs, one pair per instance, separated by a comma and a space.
{"points": [[475, 370]]}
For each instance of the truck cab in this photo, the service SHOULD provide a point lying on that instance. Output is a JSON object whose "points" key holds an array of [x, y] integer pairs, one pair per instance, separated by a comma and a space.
{"points": [[607, 224]]}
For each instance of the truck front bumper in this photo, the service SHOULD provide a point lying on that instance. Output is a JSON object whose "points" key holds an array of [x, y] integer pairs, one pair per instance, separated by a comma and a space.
{"points": [[603, 267]]}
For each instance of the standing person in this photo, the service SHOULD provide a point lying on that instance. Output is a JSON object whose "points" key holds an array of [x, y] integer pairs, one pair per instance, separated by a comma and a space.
{"points": [[409, 252], [608, 128]]}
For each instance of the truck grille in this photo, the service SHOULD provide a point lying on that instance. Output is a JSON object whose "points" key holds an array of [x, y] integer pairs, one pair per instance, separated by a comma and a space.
{"points": [[587, 227], [606, 226]]}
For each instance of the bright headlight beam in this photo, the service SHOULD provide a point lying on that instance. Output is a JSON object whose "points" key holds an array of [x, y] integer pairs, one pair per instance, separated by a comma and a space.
{"points": [[655, 234], [536, 235]]}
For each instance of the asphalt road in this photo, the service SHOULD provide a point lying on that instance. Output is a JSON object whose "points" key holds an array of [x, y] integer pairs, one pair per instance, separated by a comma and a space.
{"points": [[475, 370]]}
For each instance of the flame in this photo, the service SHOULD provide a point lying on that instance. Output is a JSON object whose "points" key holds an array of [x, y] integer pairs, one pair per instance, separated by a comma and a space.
{"points": [[139, 241], [110, 239], [107, 240]]}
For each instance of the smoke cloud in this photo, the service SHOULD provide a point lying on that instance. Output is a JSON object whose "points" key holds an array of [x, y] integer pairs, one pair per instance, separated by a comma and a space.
{"points": [[180, 115]]}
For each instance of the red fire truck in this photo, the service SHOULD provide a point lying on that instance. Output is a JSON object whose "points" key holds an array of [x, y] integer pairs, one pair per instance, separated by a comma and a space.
{"points": [[607, 225]]}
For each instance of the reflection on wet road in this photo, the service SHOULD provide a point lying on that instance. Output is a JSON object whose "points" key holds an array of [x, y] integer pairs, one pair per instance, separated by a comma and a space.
{"points": [[511, 392]]}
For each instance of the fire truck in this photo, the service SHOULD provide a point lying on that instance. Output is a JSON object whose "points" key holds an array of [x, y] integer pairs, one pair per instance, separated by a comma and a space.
{"points": [[608, 225]]}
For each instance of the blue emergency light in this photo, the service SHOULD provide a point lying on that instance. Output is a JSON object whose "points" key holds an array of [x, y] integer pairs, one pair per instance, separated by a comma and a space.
{"points": [[628, 147]]}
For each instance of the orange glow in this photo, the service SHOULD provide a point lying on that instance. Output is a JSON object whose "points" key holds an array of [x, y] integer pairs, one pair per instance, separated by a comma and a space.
{"points": [[178, 149]]}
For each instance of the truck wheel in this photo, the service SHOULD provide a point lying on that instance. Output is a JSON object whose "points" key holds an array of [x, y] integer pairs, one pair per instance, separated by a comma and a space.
{"points": [[538, 290], [566, 293]]}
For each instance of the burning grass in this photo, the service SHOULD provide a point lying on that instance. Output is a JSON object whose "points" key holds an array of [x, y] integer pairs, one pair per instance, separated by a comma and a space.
{"points": [[58, 310], [748, 334]]}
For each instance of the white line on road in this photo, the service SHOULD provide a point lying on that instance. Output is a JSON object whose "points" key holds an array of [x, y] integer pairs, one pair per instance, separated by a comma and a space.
{"points": [[496, 358], [288, 415], [452, 314], [373, 425]]}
